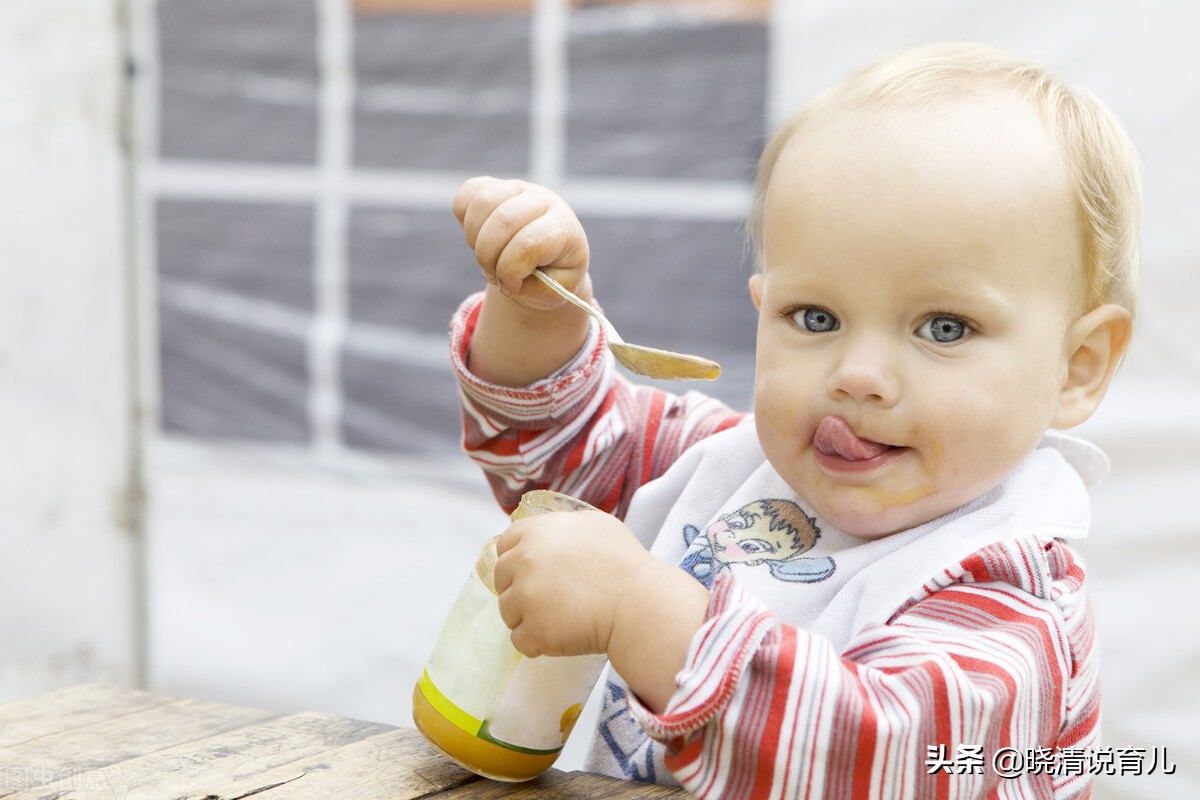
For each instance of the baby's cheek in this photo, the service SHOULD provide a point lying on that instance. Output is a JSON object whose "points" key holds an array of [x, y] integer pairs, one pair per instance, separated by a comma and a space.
{"points": [[975, 459]]}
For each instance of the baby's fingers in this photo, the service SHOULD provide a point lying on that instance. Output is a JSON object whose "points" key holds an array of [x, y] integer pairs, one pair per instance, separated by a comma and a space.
{"points": [[544, 242], [506, 222], [488, 197], [526, 642], [483, 191], [462, 198]]}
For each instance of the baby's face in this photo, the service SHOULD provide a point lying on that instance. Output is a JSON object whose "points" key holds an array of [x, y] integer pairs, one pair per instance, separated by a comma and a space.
{"points": [[922, 271]]}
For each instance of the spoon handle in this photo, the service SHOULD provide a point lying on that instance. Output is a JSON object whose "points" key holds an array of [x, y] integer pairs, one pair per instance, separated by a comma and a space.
{"points": [[609, 331]]}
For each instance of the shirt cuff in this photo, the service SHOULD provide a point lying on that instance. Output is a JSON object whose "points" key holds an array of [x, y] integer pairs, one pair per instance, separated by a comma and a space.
{"points": [[734, 628], [550, 400]]}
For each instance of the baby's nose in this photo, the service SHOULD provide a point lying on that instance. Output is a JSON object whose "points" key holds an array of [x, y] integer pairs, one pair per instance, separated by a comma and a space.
{"points": [[865, 372]]}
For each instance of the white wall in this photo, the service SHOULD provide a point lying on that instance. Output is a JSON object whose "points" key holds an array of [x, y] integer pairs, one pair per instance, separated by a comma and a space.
{"points": [[66, 578]]}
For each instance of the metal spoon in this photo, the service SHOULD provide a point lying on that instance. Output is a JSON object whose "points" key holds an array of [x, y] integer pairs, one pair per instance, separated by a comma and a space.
{"points": [[648, 361]]}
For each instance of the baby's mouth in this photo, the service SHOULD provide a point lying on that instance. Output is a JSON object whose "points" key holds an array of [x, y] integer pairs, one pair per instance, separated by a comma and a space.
{"points": [[834, 437]]}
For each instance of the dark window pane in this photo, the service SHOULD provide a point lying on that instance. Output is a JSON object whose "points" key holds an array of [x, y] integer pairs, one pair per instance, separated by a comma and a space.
{"points": [[229, 381], [239, 80], [661, 93], [679, 285], [397, 406], [235, 301], [442, 91], [257, 250], [409, 270]]}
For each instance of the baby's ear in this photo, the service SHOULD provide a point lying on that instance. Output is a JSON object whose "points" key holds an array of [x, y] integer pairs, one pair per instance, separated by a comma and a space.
{"points": [[1095, 345], [756, 289]]}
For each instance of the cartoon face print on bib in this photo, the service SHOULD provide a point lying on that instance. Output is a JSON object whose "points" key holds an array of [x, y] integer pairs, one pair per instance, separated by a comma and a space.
{"points": [[771, 533]]}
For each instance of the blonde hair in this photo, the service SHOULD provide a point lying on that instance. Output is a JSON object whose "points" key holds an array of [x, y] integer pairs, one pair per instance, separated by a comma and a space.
{"points": [[1099, 159]]}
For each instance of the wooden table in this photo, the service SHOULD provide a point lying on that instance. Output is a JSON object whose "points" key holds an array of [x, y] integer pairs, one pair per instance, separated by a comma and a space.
{"points": [[119, 744]]}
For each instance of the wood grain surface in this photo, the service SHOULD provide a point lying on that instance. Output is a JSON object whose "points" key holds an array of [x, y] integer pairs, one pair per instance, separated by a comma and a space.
{"points": [[91, 742]]}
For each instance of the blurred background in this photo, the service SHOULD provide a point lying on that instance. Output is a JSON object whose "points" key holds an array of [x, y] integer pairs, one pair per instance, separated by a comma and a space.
{"points": [[230, 458]]}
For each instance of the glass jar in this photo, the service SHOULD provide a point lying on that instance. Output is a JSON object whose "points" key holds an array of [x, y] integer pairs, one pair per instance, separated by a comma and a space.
{"points": [[492, 710]]}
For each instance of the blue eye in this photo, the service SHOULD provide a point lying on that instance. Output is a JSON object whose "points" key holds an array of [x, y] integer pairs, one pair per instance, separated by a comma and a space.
{"points": [[815, 320], [943, 329]]}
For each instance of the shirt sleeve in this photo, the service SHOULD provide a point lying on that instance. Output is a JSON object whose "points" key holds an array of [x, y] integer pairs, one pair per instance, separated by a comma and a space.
{"points": [[585, 430], [979, 676]]}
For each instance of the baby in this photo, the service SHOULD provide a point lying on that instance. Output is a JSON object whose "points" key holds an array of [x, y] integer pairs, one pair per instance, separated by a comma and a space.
{"points": [[866, 588]]}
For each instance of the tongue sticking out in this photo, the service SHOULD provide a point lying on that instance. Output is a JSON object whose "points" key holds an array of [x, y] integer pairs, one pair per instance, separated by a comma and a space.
{"points": [[835, 437]]}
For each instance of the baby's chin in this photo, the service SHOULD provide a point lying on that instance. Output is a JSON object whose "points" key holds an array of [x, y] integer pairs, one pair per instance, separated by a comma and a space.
{"points": [[875, 509], [875, 522]]}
